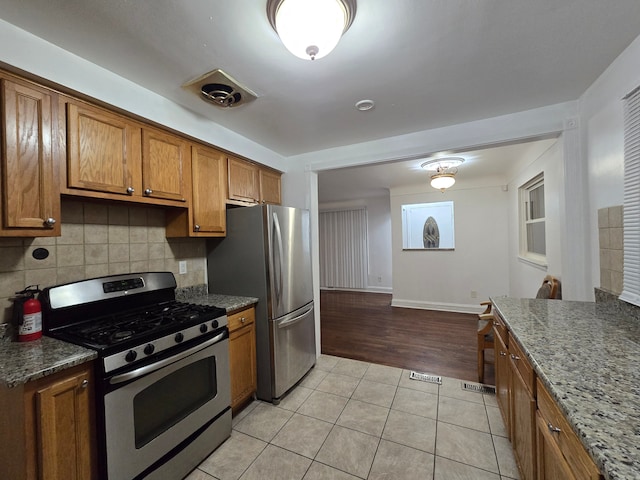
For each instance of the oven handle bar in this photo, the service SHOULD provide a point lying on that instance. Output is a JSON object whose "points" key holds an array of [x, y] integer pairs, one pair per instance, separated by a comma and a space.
{"points": [[125, 377]]}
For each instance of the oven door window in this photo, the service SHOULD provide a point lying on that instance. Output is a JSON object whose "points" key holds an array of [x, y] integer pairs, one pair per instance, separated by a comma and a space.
{"points": [[165, 402]]}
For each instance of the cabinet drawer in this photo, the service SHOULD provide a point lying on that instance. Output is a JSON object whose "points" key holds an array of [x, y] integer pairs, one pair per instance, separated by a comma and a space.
{"points": [[564, 438], [240, 319], [521, 364]]}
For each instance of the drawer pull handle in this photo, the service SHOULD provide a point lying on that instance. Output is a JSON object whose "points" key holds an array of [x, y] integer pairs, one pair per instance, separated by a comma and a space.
{"points": [[553, 429], [515, 357]]}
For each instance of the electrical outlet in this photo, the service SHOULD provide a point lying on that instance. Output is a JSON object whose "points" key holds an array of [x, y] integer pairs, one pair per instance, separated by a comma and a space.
{"points": [[182, 265], [379, 279], [474, 294]]}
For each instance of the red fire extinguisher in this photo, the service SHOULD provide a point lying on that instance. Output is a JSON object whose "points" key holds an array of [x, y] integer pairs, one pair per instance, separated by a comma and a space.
{"points": [[29, 314]]}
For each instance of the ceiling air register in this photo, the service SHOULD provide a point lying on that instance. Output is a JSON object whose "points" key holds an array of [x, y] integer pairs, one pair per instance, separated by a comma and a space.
{"points": [[221, 89]]}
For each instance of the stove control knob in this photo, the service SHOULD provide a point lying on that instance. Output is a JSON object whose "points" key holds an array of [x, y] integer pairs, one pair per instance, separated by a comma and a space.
{"points": [[215, 324], [179, 337], [130, 356], [204, 328], [148, 350]]}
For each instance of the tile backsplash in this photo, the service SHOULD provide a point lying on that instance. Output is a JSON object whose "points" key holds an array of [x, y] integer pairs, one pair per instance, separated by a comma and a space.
{"points": [[98, 239], [610, 231]]}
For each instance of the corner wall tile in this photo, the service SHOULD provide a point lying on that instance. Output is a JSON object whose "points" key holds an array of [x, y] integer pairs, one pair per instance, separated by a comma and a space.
{"points": [[616, 238], [616, 216], [603, 235]]}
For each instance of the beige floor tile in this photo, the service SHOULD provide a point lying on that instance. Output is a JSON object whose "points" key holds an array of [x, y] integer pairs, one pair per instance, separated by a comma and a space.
{"points": [[349, 451], [323, 406], [313, 378], [452, 387], [326, 362], [416, 402], [496, 424], [411, 430], [319, 471], [245, 411], [275, 463], [427, 387], [353, 368], [295, 398], [264, 422], [394, 461], [463, 413], [467, 446], [198, 474], [449, 470], [383, 374], [364, 417], [233, 457], [338, 384], [506, 460], [490, 400], [373, 392], [303, 435]]}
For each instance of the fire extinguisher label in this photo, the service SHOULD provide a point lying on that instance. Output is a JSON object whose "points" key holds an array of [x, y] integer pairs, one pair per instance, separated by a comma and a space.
{"points": [[32, 323]]}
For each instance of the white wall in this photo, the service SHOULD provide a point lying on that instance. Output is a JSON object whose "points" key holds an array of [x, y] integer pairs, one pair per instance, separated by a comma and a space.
{"points": [[525, 277], [444, 280], [602, 138], [379, 265]]}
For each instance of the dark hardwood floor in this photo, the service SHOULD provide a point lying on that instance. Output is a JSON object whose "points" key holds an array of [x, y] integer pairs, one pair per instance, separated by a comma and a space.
{"points": [[364, 326]]}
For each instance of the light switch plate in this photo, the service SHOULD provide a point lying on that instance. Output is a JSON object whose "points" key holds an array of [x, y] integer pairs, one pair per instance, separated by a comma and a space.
{"points": [[182, 265]]}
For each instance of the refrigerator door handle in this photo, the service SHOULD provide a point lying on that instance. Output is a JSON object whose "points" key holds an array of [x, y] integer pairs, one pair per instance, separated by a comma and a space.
{"points": [[290, 321], [278, 265]]}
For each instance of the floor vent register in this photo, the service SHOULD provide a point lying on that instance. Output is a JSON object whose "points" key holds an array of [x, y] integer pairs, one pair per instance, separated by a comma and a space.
{"points": [[478, 388], [426, 377]]}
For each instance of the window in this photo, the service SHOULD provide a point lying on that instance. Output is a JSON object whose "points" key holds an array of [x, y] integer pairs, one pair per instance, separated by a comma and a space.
{"points": [[631, 268], [533, 245]]}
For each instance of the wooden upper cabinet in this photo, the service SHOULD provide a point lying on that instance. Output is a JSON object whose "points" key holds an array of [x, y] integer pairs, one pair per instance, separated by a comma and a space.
{"points": [[244, 180], [103, 151], [270, 187], [165, 161], [30, 185]]}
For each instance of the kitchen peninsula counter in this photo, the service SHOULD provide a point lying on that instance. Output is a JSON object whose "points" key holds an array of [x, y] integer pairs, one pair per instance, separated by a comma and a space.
{"points": [[588, 357]]}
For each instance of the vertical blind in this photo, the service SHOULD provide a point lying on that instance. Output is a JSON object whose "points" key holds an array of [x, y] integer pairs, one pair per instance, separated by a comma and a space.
{"points": [[343, 248], [631, 288]]}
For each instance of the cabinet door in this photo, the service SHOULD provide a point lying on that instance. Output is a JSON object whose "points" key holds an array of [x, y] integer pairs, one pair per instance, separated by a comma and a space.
{"points": [[165, 161], [523, 423], [30, 185], [502, 379], [63, 426], [103, 151], [270, 187], [208, 171], [242, 356], [243, 181], [551, 462]]}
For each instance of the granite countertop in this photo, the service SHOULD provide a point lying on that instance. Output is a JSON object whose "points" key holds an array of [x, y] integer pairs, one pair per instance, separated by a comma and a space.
{"points": [[588, 356], [21, 362]]}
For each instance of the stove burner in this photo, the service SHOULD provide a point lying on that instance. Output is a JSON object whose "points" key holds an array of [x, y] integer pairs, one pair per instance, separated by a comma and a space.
{"points": [[124, 334]]}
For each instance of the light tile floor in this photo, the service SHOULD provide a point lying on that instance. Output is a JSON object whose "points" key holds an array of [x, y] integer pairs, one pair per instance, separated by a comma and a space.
{"points": [[350, 420]]}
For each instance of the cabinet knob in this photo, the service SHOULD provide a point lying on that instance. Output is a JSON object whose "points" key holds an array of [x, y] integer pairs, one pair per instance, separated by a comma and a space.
{"points": [[503, 354], [84, 384], [515, 357], [130, 190], [242, 319], [50, 222], [552, 428], [196, 227], [148, 191]]}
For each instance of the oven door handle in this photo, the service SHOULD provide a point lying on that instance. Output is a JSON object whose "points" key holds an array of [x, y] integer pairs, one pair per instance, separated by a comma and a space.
{"points": [[139, 372]]}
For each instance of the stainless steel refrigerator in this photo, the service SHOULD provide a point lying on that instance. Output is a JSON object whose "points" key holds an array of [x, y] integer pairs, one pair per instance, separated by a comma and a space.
{"points": [[267, 254]]}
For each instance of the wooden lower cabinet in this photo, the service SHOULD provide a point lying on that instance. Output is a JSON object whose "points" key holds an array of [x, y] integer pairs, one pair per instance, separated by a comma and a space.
{"points": [[523, 421], [502, 374], [50, 432], [242, 356]]}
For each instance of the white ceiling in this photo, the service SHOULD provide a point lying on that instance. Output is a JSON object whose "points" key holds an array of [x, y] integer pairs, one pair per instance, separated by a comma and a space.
{"points": [[426, 63]]}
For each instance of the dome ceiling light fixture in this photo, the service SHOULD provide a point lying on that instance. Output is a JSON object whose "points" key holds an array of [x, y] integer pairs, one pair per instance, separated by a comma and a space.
{"points": [[310, 29], [445, 170]]}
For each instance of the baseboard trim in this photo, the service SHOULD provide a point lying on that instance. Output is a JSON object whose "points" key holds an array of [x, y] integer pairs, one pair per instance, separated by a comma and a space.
{"points": [[387, 290], [442, 307]]}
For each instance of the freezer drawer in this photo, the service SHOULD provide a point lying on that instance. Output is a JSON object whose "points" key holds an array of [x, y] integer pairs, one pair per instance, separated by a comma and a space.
{"points": [[294, 348]]}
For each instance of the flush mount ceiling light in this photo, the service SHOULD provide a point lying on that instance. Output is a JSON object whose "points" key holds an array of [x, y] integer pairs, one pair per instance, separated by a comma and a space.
{"points": [[445, 170], [310, 29], [365, 105]]}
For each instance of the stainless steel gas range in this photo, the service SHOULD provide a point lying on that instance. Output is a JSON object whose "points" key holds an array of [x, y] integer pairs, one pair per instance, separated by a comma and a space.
{"points": [[163, 388]]}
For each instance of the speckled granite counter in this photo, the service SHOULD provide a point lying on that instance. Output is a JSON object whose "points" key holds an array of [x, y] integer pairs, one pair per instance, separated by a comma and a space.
{"points": [[588, 356], [22, 362], [228, 302]]}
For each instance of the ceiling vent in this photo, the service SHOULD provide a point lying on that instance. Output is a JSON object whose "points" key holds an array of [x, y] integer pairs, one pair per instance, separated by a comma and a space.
{"points": [[220, 89]]}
